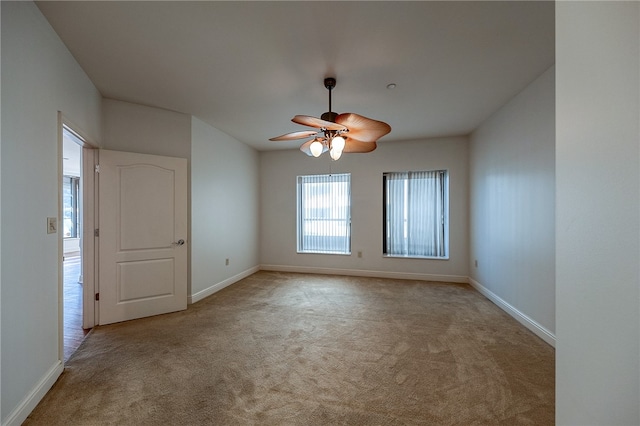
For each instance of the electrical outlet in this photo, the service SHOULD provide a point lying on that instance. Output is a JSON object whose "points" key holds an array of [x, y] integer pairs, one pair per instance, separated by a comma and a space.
{"points": [[226, 261], [359, 254], [52, 225], [476, 263]]}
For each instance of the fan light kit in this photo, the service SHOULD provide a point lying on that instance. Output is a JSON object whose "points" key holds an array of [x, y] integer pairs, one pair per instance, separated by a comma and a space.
{"points": [[338, 133]]}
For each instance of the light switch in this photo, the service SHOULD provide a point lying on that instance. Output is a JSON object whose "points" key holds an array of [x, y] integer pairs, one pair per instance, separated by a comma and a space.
{"points": [[52, 225]]}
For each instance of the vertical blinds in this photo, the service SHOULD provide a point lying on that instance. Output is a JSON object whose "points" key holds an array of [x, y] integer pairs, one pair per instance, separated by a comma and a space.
{"points": [[324, 213], [415, 213]]}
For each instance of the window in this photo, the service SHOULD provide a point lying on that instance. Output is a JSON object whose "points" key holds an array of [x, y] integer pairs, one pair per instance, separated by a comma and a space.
{"points": [[324, 214], [416, 214], [70, 187]]}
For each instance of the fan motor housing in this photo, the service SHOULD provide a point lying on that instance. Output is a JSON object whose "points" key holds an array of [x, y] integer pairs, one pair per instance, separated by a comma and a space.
{"points": [[329, 116]]}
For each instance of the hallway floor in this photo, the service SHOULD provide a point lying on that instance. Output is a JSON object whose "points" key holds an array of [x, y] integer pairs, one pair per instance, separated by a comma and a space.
{"points": [[73, 332]]}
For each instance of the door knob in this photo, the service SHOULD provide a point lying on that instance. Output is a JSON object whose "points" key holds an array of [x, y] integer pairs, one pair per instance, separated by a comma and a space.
{"points": [[179, 243]]}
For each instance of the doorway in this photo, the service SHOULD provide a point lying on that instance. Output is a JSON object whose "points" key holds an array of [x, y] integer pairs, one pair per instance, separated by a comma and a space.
{"points": [[72, 241]]}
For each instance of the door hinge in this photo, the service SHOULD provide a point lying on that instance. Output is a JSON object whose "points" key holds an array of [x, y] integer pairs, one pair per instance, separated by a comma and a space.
{"points": [[97, 297], [97, 168], [96, 232]]}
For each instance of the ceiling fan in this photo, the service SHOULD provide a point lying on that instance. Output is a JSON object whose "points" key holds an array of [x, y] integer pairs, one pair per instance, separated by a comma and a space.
{"points": [[337, 133]]}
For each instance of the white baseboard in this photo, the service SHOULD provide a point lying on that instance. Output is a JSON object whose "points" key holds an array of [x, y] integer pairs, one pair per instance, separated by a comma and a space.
{"points": [[366, 273], [523, 319], [19, 415], [219, 286]]}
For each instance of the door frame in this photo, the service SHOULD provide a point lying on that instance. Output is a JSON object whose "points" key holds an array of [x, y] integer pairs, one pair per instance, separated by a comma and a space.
{"points": [[89, 219]]}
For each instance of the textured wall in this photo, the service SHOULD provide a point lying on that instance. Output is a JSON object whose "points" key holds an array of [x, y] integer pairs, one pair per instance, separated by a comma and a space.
{"points": [[225, 203], [39, 78], [512, 216], [598, 213]]}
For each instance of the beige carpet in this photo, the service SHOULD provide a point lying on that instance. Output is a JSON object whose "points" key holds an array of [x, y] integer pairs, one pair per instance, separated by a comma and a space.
{"points": [[295, 349]]}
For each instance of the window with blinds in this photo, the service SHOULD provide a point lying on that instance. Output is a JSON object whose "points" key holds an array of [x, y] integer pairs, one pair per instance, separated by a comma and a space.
{"points": [[70, 206], [416, 214], [324, 214]]}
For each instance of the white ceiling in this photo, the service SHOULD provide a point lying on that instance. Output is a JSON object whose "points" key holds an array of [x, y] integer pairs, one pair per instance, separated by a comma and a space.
{"points": [[247, 68]]}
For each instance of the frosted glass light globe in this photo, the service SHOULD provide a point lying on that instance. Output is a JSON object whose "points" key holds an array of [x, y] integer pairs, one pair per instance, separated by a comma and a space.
{"points": [[335, 154], [316, 148], [338, 143]]}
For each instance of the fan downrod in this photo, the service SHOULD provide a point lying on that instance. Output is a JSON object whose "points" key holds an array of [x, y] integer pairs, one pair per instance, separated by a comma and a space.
{"points": [[329, 83]]}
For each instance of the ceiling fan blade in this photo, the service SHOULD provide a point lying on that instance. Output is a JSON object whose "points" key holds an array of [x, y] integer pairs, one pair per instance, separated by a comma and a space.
{"points": [[294, 135], [362, 128], [356, 146], [307, 120], [306, 147]]}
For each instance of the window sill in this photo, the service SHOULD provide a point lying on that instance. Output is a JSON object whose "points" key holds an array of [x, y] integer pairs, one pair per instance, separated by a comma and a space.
{"points": [[399, 256], [324, 252]]}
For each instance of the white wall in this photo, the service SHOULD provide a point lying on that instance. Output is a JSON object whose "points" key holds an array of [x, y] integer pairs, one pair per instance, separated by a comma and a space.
{"points": [[278, 209], [512, 216], [131, 127], [598, 213], [225, 206], [39, 78], [72, 155]]}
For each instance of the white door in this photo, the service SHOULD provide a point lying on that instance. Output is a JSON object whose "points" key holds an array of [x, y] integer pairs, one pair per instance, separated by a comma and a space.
{"points": [[142, 235]]}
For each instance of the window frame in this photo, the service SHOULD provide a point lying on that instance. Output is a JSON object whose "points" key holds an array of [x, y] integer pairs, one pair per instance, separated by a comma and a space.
{"points": [[74, 198], [445, 217], [300, 236]]}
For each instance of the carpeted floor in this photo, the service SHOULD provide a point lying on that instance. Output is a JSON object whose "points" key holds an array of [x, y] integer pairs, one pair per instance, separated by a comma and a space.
{"points": [[296, 349]]}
